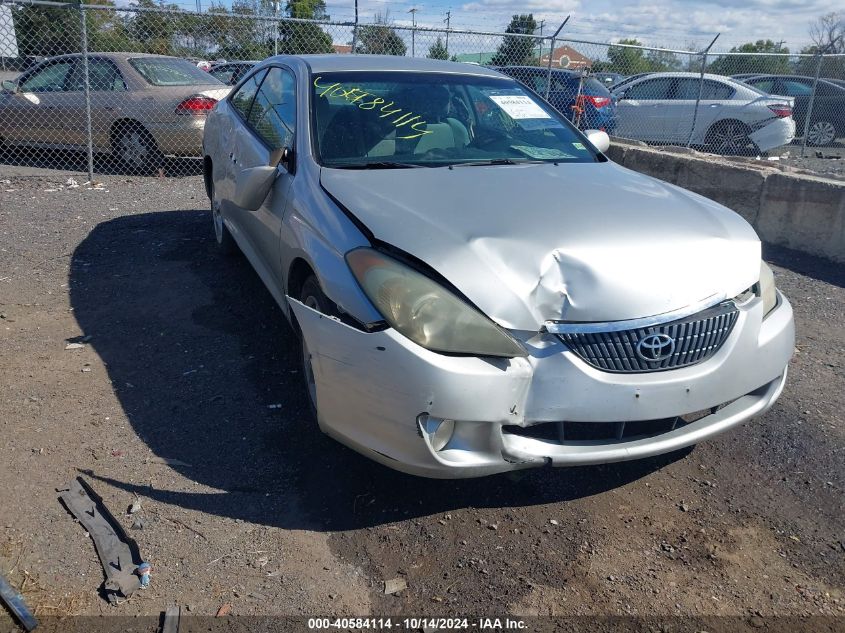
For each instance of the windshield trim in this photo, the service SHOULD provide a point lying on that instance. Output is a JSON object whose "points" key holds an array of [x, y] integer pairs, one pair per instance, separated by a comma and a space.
{"points": [[597, 156]]}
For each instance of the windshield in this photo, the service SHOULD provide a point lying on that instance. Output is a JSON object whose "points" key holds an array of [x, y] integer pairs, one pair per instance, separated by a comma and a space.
{"points": [[405, 119], [164, 71]]}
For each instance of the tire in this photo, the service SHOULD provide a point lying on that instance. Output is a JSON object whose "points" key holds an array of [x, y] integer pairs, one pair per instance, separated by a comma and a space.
{"points": [[312, 296], [730, 138], [821, 133], [136, 151], [226, 244]]}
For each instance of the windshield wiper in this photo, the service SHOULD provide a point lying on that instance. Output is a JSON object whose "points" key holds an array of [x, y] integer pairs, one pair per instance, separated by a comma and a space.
{"points": [[381, 164], [497, 161]]}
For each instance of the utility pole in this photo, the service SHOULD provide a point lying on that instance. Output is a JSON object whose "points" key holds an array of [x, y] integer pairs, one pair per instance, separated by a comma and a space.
{"points": [[448, 21], [413, 13]]}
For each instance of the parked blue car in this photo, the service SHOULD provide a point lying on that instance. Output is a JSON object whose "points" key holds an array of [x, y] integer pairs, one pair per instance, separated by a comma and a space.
{"points": [[596, 103]]}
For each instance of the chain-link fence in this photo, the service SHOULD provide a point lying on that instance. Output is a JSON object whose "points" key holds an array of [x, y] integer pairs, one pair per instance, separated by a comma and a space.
{"points": [[126, 89]]}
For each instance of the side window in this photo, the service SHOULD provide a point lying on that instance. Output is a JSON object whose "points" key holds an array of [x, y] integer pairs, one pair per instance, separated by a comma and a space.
{"points": [[242, 99], [792, 88], [53, 78], [226, 74], [102, 73], [715, 91], [273, 113], [650, 89], [766, 85]]}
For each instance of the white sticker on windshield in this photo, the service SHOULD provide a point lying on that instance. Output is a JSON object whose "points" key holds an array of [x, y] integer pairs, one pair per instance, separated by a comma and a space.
{"points": [[520, 107]]}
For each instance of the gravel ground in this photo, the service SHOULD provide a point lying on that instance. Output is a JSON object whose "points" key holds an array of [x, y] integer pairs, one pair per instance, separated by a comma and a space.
{"points": [[190, 360]]}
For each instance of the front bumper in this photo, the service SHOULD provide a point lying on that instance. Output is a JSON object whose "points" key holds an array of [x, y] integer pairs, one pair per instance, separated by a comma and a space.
{"points": [[378, 392]]}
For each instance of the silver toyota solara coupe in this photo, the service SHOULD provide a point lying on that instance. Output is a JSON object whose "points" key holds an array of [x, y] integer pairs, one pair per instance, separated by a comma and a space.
{"points": [[476, 286]]}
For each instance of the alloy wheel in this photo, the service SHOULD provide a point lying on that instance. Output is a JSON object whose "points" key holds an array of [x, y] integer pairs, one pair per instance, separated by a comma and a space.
{"points": [[730, 138], [821, 133]]}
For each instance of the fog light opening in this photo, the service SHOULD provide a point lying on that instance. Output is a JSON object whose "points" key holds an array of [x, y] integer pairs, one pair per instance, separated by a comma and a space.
{"points": [[439, 430]]}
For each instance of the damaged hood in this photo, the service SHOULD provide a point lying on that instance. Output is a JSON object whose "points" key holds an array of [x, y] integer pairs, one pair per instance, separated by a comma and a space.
{"points": [[574, 242]]}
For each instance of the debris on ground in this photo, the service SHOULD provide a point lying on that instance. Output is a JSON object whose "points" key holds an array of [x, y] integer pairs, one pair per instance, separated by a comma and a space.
{"points": [[136, 506], [144, 570], [224, 610], [394, 586], [14, 601], [117, 551], [74, 346]]}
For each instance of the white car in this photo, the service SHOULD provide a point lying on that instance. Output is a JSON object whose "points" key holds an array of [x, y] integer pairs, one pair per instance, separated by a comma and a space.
{"points": [[732, 117]]}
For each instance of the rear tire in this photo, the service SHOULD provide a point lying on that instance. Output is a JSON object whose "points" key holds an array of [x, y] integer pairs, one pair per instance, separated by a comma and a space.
{"points": [[136, 150], [821, 133], [730, 138]]}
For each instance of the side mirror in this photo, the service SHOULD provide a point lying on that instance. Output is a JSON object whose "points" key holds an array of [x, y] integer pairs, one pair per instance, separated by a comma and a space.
{"points": [[252, 185], [283, 157], [599, 139], [10, 85]]}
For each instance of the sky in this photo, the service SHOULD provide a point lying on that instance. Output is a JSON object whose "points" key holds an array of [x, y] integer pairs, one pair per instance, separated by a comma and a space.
{"points": [[667, 23]]}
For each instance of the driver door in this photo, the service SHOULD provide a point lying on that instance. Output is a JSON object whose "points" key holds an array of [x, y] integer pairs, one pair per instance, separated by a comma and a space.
{"points": [[269, 126], [642, 110], [35, 114]]}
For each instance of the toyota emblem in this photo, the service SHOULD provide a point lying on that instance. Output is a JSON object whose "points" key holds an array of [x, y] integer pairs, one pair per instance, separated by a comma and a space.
{"points": [[653, 348]]}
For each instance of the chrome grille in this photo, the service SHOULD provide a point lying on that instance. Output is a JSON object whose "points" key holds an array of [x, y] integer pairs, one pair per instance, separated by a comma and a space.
{"points": [[694, 338]]}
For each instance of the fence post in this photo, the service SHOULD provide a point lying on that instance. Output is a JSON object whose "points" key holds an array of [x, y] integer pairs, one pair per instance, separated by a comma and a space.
{"points": [[700, 88], [551, 55], [809, 114], [275, 27], [88, 131], [355, 29]]}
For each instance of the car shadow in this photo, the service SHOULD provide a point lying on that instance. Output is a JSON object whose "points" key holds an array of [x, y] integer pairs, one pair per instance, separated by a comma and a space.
{"points": [[812, 266], [104, 164], [207, 371]]}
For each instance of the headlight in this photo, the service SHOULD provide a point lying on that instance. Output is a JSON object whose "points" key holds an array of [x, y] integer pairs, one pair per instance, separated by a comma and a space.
{"points": [[425, 312], [766, 288]]}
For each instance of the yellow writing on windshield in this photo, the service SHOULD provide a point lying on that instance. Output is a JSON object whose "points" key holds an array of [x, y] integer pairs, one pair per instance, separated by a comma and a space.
{"points": [[368, 101]]}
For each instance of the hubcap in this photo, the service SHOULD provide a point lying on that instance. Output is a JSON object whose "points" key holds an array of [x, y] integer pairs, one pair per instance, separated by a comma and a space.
{"points": [[821, 133], [133, 150]]}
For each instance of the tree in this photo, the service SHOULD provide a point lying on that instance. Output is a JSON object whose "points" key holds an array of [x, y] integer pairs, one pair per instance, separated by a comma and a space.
{"points": [[438, 50], [625, 60], [828, 33], [379, 38], [46, 31], [765, 65], [516, 51]]}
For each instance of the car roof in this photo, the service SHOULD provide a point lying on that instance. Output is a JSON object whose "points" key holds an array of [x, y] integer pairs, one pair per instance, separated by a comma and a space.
{"points": [[110, 55], [334, 62], [689, 75]]}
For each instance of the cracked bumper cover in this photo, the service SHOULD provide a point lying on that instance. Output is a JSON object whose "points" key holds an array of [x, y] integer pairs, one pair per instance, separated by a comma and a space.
{"points": [[372, 389]]}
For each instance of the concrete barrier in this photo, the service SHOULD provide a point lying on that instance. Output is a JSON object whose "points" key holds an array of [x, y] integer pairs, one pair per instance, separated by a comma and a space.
{"points": [[786, 206]]}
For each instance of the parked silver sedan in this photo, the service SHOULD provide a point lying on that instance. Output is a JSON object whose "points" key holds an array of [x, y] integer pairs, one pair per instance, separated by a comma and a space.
{"points": [[715, 113], [476, 286], [142, 106]]}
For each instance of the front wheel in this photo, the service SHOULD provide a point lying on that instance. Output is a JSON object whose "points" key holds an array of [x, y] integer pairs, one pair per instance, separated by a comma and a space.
{"points": [[312, 296], [821, 133], [730, 138]]}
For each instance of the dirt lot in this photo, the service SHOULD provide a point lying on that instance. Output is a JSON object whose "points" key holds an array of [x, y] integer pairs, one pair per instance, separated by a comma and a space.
{"points": [[185, 357]]}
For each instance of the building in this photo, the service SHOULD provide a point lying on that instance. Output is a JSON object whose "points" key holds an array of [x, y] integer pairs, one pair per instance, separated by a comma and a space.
{"points": [[566, 57], [342, 49]]}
